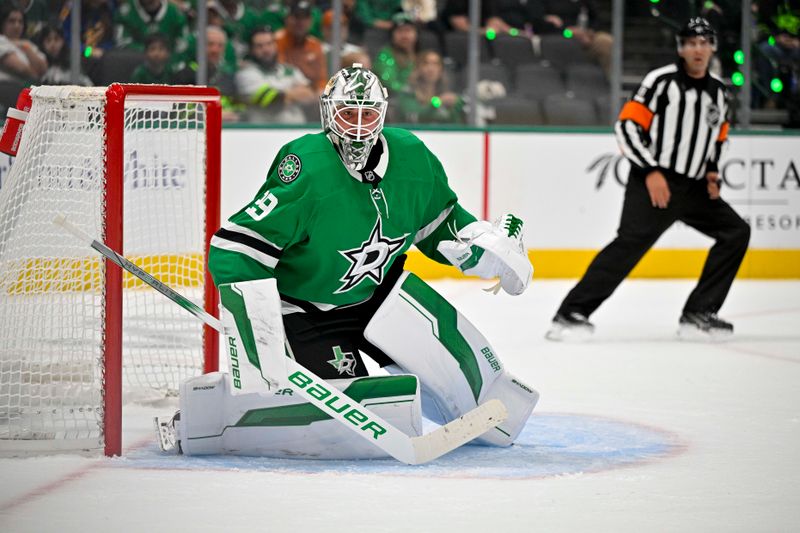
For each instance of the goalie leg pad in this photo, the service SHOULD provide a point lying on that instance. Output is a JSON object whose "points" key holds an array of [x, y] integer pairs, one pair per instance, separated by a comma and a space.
{"points": [[458, 369], [282, 424], [253, 335]]}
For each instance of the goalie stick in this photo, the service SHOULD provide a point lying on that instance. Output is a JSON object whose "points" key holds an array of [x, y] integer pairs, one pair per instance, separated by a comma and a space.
{"points": [[409, 450]]}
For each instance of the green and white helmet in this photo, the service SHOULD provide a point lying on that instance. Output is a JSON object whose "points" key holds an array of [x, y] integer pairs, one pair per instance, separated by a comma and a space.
{"points": [[353, 108]]}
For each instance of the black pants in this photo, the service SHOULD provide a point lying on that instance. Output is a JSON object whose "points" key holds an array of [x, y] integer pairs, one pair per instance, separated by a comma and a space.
{"points": [[642, 224], [316, 337]]}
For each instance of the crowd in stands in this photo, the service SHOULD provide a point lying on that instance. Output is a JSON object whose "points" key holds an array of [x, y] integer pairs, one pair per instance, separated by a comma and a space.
{"points": [[542, 61]]}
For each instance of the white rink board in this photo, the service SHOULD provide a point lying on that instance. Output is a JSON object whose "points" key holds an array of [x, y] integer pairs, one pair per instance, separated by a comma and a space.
{"points": [[569, 188]]}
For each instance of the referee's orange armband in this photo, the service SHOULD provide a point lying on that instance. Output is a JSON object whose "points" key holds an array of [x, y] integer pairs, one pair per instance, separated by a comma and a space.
{"points": [[723, 132], [637, 112]]}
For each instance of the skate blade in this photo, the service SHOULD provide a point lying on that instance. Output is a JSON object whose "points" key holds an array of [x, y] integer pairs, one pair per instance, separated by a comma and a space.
{"points": [[691, 333], [560, 333]]}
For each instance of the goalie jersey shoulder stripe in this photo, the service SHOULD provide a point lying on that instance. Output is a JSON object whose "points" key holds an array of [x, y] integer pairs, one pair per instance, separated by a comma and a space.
{"points": [[230, 226], [242, 238], [257, 250], [431, 227], [229, 246]]}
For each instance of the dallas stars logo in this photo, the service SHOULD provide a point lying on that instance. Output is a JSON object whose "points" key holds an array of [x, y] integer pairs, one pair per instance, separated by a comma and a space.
{"points": [[369, 259], [289, 168], [343, 362]]}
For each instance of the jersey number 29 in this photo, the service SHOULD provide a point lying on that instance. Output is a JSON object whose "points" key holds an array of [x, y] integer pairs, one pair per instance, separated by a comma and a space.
{"points": [[262, 206]]}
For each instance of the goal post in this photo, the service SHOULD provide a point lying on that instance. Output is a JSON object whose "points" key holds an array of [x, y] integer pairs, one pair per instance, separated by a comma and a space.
{"points": [[139, 167]]}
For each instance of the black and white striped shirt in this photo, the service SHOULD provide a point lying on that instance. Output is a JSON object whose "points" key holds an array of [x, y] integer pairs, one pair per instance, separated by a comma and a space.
{"points": [[675, 122]]}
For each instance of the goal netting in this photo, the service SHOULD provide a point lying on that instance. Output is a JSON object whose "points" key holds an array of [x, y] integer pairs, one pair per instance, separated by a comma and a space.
{"points": [[137, 167]]}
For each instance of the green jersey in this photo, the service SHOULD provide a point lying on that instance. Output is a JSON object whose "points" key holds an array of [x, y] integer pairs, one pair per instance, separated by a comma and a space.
{"points": [[133, 24], [329, 235]]}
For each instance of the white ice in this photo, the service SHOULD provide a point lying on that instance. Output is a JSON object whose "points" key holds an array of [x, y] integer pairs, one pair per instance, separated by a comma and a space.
{"points": [[729, 411]]}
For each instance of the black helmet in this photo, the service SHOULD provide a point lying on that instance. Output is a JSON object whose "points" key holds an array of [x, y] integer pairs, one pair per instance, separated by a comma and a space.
{"points": [[697, 27]]}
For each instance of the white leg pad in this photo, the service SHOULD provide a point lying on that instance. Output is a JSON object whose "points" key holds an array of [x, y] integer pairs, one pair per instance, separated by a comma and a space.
{"points": [[254, 339], [457, 367], [283, 424]]}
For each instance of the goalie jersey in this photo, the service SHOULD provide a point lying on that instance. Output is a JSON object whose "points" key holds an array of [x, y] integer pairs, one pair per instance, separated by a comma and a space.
{"points": [[328, 234]]}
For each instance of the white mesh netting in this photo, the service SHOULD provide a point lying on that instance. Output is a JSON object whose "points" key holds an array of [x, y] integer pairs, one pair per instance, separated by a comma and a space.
{"points": [[52, 286]]}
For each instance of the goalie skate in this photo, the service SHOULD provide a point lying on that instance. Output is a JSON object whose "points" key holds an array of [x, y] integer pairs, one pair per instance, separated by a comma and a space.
{"points": [[166, 434]]}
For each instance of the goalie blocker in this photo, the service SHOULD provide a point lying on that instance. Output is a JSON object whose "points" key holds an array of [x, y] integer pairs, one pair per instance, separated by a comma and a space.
{"points": [[441, 366]]}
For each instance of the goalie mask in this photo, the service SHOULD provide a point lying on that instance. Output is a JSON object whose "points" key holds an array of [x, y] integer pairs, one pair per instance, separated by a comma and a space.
{"points": [[697, 27], [353, 108]]}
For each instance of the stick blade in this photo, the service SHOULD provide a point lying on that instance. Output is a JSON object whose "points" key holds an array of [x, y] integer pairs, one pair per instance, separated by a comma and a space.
{"points": [[459, 432], [61, 220]]}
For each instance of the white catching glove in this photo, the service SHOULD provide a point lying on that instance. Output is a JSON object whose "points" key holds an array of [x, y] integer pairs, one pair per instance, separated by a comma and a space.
{"points": [[490, 251]]}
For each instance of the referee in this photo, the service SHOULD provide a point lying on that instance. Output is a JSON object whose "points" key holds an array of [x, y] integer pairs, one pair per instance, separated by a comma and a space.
{"points": [[672, 131]]}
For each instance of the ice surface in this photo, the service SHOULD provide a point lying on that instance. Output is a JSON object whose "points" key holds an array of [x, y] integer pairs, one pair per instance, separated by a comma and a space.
{"points": [[634, 431]]}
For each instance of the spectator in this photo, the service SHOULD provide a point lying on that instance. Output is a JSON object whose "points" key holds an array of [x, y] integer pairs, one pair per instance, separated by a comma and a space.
{"points": [[97, 26], [395, 61], [296, 47], [456, 17], [238, 21], [425, 14], [421, 11], [274, 16], [156, 67], [136, 19], [726, 15], [37, 16], [519, 14], [779, 58], [230, 55], [362, 58], [327, 32], [355, 25], [273, 91], [219, 75], [50, 41], [378, 13], [20, 59], [580, 18], [430, 99]]}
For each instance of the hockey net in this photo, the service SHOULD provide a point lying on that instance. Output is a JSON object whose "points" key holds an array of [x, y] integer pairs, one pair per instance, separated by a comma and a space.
{"points": [[137, 167]]}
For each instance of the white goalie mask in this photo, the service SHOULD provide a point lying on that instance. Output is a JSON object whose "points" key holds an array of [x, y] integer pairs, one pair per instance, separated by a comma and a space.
{"points": [[353, 108]]}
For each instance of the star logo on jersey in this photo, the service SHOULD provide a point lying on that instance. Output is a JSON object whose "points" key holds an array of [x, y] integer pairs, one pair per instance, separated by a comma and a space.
{"points": [[369, 259], [343, 362], [289, 168]]}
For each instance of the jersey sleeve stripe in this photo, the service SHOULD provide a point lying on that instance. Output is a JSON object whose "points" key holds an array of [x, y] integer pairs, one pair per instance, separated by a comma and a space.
{"points": [[638, 113], [236, 247], [632, 147], [248, 240], [230, 226], [651, 83], [431, 227]]}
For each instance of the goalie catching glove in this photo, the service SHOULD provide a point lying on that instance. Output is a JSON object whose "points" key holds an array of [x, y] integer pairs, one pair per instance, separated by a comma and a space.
{"points": [[490, 251]]}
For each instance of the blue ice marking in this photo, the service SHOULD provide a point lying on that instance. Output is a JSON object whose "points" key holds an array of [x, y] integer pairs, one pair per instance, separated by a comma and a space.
{"points": [[550, 445]]}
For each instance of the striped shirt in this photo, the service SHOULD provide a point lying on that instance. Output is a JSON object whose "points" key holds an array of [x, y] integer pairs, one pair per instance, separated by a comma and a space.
{"points": [[675, 123]]}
